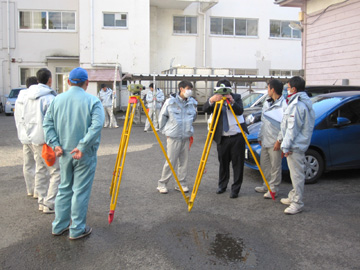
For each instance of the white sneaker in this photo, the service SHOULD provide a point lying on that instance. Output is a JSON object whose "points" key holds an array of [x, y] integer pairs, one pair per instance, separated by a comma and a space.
{"points": [[185, 189], [261, 189], [292, 210], [285, 201], [267, 195], [162, 190], [41, 207], [48, 210]]}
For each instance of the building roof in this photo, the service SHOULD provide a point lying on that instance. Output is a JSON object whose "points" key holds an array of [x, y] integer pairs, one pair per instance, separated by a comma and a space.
{"points": [[195, 77]]}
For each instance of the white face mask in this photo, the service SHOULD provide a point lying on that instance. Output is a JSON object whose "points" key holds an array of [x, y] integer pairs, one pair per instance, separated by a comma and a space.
{"points": [[188, 93]]}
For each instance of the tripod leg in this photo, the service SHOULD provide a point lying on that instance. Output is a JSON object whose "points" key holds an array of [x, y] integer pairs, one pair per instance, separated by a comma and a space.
{"points": [[252, 152], [206, 152], [186, 198], [121, 160], [120, 146]]}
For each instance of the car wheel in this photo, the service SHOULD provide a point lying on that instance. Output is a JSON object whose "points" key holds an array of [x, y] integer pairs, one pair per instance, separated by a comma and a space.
{"points": [[7, 114], [314, 166]]}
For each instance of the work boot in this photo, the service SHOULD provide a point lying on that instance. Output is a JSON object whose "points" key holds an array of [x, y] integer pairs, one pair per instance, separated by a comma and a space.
{"points": [[48, 210], [185, 189], [162, 190], [267, 195], [261, 189], [87, 231], [292, 210], [285, 201]]}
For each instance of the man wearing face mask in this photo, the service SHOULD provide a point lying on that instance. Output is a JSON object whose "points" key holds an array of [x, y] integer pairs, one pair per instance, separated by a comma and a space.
{"points": [[228, 137], [154, 99], [175, 121]]}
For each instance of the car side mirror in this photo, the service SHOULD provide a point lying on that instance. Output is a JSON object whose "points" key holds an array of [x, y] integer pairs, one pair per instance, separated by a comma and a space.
{"points": [[342, 121]]}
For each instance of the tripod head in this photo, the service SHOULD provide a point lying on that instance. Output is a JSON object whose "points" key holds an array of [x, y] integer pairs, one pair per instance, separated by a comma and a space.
{"points": [[222, 90], [135, 89]]}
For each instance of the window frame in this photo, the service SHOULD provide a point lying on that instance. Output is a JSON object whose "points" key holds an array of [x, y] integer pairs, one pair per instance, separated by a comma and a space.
{"points": [[281, 22], [280, 72], [185, 23], [234, 29], [33, 71], [115, 26], [47, 22]]}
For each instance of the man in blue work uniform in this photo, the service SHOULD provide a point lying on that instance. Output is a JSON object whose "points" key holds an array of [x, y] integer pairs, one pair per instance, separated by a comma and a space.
{"points": [[72, 126]]}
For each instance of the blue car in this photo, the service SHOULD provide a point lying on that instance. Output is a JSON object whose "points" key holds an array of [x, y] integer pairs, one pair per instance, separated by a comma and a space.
{"points": [[11, 99], [335, 143]]}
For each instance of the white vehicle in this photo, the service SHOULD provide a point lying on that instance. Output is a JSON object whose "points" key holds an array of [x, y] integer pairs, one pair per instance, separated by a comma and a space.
{"points": [[253, 102], [254, 98]]}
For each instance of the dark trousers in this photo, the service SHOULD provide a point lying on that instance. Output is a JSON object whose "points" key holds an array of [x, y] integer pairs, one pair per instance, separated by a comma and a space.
{"points": [[231, 149]]}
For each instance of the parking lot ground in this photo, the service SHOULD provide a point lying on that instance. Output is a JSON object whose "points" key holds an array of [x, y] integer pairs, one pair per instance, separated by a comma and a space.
{"points": [[155, 231]]}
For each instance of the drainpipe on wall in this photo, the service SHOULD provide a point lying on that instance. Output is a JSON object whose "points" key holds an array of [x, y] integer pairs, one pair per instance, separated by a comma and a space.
{"points": [[113, 65], [204, 35], [202, 9], [304, 38], [8, 41]]}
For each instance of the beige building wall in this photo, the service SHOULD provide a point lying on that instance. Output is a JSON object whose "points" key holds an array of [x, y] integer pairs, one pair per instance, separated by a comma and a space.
{"points": [[332, 43]]}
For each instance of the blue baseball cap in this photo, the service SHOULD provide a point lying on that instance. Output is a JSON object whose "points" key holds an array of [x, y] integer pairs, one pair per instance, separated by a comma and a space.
{"points": [[78, 75]]}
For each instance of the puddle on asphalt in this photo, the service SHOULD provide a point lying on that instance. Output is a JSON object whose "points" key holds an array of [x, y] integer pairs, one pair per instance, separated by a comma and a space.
{"points": [[229, 249], [220, 247]]}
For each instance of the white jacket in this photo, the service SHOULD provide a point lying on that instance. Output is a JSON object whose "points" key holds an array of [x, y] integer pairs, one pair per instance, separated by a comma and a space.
{"points": [[270, 128], [106, 97], [37, 101], [297, 124], [19, 117], [159, 98]]}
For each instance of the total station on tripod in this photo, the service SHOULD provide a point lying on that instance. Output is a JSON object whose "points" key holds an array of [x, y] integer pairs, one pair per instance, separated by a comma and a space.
{"points": [[135, 89], [222, 90]]}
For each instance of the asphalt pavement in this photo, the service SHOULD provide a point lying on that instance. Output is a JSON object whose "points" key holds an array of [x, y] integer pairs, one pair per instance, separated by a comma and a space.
{"points": [[155, 231]]}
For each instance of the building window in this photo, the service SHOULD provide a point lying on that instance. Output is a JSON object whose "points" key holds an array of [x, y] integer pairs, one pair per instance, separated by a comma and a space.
{"points": [[281, 29], [117, 20], [185, 25], [234, 27], [287, 73], [26, 73], [47, 20]]}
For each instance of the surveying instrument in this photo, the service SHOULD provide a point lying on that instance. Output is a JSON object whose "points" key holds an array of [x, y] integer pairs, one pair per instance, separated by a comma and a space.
{"points": [[222, 90], [135, 89]]}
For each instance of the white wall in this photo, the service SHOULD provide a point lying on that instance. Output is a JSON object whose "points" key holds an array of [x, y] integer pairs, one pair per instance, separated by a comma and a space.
{"points": [[167, 45], [130, 45], [30, 48], [260, 53]]}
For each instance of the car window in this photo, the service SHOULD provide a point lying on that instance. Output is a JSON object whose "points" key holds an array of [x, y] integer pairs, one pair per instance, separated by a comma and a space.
{"points": [[250, 99], [14, 93], [349, 110], [322, 104], [262, 100]]}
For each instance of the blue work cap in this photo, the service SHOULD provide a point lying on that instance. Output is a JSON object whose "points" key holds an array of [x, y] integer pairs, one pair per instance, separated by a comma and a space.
{"points": [[78, 75]]}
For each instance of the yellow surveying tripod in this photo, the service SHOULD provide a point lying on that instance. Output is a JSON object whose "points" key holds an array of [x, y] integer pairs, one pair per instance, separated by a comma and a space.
{"points": [[120, 159], [207, 147]]}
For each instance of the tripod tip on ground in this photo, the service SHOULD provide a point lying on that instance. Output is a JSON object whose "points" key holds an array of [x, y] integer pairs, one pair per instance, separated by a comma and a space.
{"points": [[190, 206], [111, 216]]}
